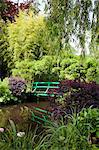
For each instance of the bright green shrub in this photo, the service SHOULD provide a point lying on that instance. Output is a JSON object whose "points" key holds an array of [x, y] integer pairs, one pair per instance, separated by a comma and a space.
{"points": [[88, 122], [57, 68], [92, 69], [36, 70], [5, 94], [66, 69], [74, 68], [24, 69], [43, 69]]}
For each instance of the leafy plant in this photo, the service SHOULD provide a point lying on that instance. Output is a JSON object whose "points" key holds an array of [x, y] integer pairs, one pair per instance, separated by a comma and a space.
{"points": [[36, 69], [79, 94], [89, 120], [17, 85], [72, 135], [11, 138], [5, 93]]}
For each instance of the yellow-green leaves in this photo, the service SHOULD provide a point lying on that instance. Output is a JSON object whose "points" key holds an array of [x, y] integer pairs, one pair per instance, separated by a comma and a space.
{"points": [[25, 36]]}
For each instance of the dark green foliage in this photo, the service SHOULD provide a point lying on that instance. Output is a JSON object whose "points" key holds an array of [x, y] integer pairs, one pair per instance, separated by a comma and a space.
{"points": [[2, 7], [4, 56]]}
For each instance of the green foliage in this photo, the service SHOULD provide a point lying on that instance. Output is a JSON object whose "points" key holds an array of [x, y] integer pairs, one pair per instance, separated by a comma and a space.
{"points": [[91, 66], [71, 136], [75, 135], [10, 139], [24, 69], [29, 37], [3, 37], [74, 68], [36, 70], [26, 36], [57, 68], [2, 6], [88, 122], [73, 18], [4, 55], [5, 94]]}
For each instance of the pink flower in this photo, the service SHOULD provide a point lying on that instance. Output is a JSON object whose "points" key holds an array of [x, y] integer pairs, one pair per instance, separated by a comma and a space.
{"points": [[2, 130]]}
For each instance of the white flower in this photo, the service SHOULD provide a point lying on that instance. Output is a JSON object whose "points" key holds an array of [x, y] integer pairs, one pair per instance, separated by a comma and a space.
{"points": [[2, 130], [20, 134]]}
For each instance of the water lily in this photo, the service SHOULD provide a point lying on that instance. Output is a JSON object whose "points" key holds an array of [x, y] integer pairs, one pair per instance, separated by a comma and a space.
{"points": [[2, 130], [20, 134]]}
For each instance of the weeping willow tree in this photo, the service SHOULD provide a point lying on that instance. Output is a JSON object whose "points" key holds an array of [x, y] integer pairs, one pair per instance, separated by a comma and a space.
{"points": [[78, 19]]}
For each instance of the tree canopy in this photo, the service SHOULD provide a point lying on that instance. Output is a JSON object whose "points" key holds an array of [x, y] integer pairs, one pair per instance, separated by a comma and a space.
{"points": [[44, 42], [76, 20]]}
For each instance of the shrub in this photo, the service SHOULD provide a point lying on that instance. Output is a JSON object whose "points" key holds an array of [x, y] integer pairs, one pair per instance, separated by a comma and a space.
{"points": [[36, 70], [76, 95], [24, 69], [17, 85], [55, 68], [75, 68], [79, 94], [88, 123], [91, 66], [5, 94]]}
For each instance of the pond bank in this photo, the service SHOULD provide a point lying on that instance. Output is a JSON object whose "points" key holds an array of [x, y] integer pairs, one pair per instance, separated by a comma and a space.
{"points": [[20, 114]]}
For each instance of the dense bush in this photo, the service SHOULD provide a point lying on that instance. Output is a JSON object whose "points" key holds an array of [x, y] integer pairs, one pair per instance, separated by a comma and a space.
{"points": [[75, 68], [6, 95], [79, 94], [17, 85], [56, 68], [36, 70], [12, 89], [88, 123]]}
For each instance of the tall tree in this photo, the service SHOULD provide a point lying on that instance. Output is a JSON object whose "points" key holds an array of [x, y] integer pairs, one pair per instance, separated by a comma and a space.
{"points": [[3, 49], [75, 18]]}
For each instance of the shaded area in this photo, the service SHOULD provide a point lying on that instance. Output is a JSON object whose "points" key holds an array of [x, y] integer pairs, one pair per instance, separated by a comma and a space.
{"points": [[20, 114]]}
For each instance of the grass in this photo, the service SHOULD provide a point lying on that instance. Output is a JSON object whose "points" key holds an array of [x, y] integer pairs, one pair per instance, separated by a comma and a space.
{"points": [[56, 136], [9, 139]]}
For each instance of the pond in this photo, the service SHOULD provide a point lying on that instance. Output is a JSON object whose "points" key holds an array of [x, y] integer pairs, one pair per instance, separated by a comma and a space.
{"points": [[20, 114]]}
